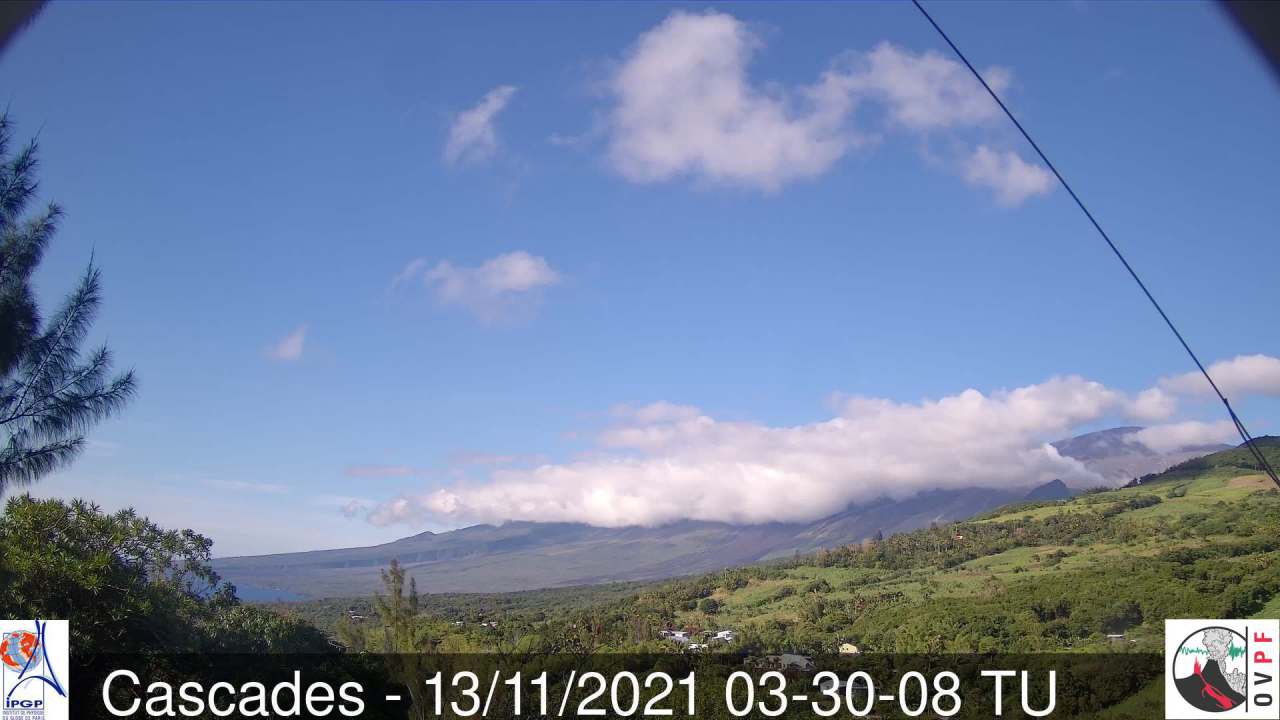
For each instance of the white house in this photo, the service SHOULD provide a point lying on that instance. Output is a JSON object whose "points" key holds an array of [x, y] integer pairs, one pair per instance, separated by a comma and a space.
{"points": [[679, 636], [726, 636]]}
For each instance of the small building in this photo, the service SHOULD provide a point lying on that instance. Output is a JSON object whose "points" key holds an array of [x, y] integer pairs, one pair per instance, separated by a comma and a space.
{"points": [[725, 636], [849, 649], [680, 636], [696, 647]]}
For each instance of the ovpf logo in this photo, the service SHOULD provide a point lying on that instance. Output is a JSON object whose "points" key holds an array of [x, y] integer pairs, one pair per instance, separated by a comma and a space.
{"points": [[1221, 669], [34, 656]]}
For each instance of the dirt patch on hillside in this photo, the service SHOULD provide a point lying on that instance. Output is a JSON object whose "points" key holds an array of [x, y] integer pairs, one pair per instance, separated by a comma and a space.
{"points": [[1260, 482]]}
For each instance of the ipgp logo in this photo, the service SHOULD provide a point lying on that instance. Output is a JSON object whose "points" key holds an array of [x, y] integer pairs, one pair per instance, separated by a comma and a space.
{"points": [[34, 658], [1222, 669]]}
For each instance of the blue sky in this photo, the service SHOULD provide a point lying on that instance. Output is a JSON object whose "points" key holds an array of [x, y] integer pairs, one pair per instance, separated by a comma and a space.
{"points": [[756, 211]]}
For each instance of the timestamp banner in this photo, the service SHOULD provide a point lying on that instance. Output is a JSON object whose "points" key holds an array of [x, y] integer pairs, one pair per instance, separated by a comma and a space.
{"points": [[708, 685]]}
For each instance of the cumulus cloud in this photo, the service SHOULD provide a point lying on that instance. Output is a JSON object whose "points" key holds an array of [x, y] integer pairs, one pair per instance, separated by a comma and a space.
{"points": [[496, 286], [289, 348], [1153, 404], [1012, 178], [657, 412], [667, 462], [472, 136], [1241, 375], [685, 105], [391, 512], [927, 91], [1188, 434]]}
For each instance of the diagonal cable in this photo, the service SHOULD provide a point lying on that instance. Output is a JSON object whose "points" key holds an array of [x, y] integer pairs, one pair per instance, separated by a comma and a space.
{"points": [[1240, 428]]}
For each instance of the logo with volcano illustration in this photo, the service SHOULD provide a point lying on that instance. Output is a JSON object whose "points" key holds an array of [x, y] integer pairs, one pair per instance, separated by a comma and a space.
{"points": [[1209, 669], [1221, 669]]}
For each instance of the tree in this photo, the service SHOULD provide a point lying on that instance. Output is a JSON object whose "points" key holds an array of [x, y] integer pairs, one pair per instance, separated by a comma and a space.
{"points": [[398, 611], [351, 635], [710, 606], [405, 660], [128, 585], [49, 395], [813, 609]]}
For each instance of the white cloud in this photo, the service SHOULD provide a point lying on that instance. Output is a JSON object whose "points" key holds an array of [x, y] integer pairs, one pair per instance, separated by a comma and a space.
{"points": [[496, 286], [685, 105], [289, 348], [667, 462], [657, 412], [1241, 375], [472, 136], [927, 91], [394, 511], [1192, 433], [1012, 178], [1153, 404], [411, 270]]}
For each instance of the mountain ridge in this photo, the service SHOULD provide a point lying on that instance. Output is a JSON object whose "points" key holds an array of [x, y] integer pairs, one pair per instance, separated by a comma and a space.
{"points": [[524, 555], [1113, 454]]}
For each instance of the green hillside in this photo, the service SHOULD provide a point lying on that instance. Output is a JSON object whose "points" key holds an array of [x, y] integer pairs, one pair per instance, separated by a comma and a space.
{"points": [[1200, 540]]}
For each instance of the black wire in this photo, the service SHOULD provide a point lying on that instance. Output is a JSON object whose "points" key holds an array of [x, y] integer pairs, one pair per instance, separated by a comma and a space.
{"points": [[1240, 428]]}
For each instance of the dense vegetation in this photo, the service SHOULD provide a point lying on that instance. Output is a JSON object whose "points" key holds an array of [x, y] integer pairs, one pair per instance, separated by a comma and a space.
{"points": [[130, 586], [473, 608]]}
